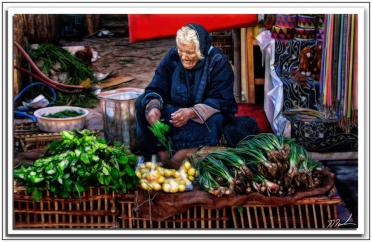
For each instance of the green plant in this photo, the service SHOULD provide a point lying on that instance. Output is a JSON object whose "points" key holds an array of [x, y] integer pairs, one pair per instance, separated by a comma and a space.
{"points": [[64, 114], [60, 60], [266, 163], [160, 129], [77, 161]]}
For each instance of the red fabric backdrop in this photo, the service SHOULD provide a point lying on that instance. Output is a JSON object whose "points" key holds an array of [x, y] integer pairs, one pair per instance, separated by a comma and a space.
{"points": [[153, 26], [258, 113]]}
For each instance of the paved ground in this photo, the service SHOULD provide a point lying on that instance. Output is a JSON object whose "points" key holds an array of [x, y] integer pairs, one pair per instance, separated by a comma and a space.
{"points": [[120, 58]]}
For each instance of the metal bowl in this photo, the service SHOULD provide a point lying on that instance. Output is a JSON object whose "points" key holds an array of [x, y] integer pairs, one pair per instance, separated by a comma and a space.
{"points": [[57, 125]]}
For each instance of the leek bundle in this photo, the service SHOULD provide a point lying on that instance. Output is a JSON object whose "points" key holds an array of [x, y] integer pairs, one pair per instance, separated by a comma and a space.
{"points": [[266, 163]]}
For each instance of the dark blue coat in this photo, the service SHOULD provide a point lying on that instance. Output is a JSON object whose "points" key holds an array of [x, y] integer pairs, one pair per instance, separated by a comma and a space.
{"points": [[209, 82]]}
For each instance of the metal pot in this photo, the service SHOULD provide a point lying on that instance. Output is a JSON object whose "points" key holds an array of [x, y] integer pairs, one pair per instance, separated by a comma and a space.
{"points": [[119, 115]]}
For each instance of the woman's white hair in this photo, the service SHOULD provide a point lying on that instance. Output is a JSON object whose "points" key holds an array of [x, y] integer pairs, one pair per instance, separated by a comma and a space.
{"points": [[187, 35]]}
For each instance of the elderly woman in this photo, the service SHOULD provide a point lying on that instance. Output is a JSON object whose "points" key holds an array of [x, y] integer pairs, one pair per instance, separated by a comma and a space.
{"points": [[192, 91]]}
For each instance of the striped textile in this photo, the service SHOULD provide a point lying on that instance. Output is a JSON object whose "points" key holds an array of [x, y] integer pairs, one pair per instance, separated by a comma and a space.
{"points": [[339, 70]]}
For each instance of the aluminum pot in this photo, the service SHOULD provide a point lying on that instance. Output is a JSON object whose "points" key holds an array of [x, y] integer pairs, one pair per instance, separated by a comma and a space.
{"points": [[57, 125], [119, 115]]}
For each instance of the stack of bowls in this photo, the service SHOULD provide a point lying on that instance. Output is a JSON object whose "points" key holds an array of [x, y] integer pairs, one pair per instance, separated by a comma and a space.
{"points": [[284, 26], [306, 27]]}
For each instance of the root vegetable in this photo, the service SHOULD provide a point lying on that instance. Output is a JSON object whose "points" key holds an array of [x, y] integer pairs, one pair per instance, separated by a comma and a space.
{"points": [[187, 165], [191, 171], [181, 188]]}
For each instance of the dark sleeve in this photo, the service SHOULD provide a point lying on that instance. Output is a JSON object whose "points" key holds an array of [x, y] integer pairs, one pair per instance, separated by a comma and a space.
{"points": [[159, 88], [219, 92]]}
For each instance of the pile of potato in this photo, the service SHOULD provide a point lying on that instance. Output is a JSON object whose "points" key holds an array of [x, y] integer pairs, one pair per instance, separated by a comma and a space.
{"points": [[156, 178]]}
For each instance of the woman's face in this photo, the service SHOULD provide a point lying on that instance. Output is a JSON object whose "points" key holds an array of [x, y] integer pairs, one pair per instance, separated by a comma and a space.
{"points": [[188, 55]]}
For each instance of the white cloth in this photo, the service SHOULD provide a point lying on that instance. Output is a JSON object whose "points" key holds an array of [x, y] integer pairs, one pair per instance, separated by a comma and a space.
{"points": [[273, 101]]}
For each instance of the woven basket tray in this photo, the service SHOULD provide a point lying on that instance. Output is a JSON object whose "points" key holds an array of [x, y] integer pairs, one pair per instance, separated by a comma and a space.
{"points": [[98, 209], [308, 213], [195, 217], [94, 209]]}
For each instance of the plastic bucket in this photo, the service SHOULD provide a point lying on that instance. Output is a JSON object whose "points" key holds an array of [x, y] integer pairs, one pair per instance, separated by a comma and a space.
{"points": [[119, 115]]}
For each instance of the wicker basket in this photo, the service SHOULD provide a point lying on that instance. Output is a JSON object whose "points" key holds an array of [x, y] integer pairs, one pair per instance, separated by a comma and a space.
{"points": [[308, 213], [195, 217], [94, 209], [99, 209]]}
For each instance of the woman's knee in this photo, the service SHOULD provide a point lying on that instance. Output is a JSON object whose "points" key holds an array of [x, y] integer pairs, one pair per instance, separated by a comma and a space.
{"points": [[215, 119]]}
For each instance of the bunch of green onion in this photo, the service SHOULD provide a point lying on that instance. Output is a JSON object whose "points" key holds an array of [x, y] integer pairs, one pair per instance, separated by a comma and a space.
{"points": [[265, 163]]}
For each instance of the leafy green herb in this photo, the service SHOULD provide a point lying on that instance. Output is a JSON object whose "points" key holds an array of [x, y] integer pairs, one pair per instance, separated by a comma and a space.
{"points": [[77, 161], [160, 129], [52, 56], [64, 114]]}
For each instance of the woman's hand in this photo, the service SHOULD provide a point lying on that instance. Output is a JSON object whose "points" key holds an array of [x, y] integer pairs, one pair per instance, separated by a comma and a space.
{"points": [[153, 116], [181, 116]]}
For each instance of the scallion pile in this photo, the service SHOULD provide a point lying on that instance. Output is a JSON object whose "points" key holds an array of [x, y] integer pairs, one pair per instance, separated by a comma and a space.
{"points": [[265, 163]]}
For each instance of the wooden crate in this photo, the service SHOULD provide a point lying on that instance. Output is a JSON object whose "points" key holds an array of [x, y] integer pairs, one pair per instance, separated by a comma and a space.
{"points": [[308, 213], [94, 209], [195, 217]]}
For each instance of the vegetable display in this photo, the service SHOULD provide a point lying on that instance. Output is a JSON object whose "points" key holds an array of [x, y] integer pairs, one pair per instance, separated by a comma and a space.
{"points": [[64, 114], [77, 161], [157, 178], [267, 163]]}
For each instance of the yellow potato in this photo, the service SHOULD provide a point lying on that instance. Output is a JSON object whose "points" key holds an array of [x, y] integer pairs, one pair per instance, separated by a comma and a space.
{"points": [[142, 166], [167, 173], [177, 174], [160, 170], [155, 174], [191, 171], [181, 188], [181, 182], [187, 165], [174, 189], [166, 187], [156, 186], [145, 186], [174, 186], [148, 164], [161, 179], [139, 174], [191, 178]]}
